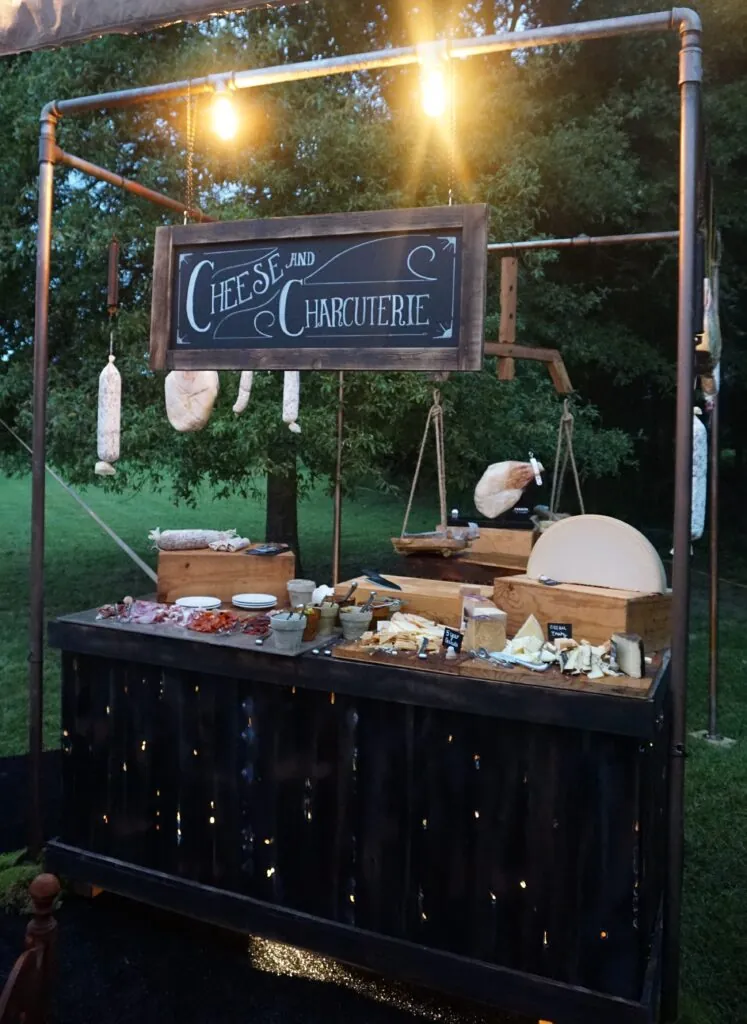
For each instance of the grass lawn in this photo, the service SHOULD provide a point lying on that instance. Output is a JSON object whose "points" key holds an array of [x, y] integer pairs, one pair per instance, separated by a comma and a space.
{"points": [[85, 569]]}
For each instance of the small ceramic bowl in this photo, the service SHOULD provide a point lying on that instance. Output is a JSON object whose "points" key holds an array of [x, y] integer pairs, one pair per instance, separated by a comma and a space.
{"points": [[354, 621], [287, 631]]}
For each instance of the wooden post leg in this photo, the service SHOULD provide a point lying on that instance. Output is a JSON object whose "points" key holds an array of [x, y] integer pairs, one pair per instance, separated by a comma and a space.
{"points": [[506, 368], [560, 377], [507, 328]]}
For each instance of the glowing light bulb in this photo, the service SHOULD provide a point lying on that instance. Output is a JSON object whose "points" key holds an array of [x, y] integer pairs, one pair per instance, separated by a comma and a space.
{"points": [[225, 119], [433, 90]]}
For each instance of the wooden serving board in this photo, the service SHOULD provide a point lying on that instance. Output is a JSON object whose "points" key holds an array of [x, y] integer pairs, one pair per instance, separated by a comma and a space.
{"points": [[475, 668]]}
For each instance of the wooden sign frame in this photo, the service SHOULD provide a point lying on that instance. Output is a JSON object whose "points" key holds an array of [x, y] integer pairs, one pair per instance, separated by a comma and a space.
{"points": [[464, 353]]}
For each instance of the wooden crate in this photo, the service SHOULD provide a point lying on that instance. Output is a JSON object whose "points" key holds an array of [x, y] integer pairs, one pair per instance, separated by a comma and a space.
{"points": [[594, 612], [507, 549], [434, 599], [223, 574]]}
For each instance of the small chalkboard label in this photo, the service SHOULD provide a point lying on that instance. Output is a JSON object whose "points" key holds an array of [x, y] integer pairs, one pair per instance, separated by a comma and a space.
{"points": [[453, 638], [559, 631]]}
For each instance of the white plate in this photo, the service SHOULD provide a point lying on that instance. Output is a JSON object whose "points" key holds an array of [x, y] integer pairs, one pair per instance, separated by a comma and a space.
{"points": [[252, 602], [203, 603]]}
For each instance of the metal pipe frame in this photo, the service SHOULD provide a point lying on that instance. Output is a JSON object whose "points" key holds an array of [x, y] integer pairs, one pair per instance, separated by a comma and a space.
{"points": [[679, 19], [580, 242], [337, 525], [136, 189], [713, 567]]}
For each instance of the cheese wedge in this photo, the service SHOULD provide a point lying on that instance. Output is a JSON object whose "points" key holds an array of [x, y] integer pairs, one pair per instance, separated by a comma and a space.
{"points": [[532, 628], [628, 649]]}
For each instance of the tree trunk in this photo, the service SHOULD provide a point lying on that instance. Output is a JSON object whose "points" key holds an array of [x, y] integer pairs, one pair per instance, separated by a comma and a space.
{"points": [[281, 523]]}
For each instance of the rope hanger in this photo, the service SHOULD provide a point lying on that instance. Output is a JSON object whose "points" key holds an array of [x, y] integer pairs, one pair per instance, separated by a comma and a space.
{"points": [[436, 419], [565, 448]]}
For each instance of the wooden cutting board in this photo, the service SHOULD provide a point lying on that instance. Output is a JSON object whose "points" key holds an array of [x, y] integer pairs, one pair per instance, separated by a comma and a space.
{"points": [[475, 668]]}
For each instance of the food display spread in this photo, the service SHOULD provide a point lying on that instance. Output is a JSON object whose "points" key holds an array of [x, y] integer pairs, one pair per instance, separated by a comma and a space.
{"points": [[446, 627]]}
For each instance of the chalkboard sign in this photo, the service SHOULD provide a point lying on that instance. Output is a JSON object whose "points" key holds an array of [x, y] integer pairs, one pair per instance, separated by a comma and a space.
{"points": [[389, 290], [559, 631], [452, 638]]}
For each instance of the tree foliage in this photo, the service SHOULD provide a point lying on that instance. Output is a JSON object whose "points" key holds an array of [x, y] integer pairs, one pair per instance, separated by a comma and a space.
{"points": [[557, 142]]}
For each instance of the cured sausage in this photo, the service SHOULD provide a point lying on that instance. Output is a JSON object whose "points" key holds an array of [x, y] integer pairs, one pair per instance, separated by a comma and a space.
{"points": [[108, 429], [291, 392], [245, 390]]}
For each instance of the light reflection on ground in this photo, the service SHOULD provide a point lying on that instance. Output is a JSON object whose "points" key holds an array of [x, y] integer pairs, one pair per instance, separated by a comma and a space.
{"points": [[276, 958]]}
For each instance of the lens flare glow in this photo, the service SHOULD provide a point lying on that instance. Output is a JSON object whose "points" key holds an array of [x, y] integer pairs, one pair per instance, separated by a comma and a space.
{"points": [[225, 119], [433, 91]]}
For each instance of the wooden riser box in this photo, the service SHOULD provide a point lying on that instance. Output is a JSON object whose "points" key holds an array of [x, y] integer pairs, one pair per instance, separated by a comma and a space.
{"points": [[508, 549], [594, 612], [434, 599], [222, 574]]}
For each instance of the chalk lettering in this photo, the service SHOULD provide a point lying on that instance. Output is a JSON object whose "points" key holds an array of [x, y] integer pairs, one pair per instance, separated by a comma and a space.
{"points": [[282, 309], [190, 308]]}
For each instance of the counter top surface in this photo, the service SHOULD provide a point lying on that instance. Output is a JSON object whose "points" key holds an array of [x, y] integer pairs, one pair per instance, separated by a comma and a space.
{"points": [[547, 697]]}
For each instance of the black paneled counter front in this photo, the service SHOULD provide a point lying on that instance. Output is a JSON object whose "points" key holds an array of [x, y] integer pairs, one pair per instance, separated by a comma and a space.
{"points": [[495, 840]]}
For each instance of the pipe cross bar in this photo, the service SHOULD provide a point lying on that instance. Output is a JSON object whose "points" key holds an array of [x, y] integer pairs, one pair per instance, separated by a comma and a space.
{"points": [[581, 241], [102, 174], [680, 18]]}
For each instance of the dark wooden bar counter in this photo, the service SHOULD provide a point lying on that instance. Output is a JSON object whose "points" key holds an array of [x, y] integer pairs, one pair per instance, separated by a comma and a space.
{"points": [[494, 840]]}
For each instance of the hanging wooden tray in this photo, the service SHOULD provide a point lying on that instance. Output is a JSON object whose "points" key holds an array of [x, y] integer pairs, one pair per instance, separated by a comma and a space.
{"points": [[415, 543]]}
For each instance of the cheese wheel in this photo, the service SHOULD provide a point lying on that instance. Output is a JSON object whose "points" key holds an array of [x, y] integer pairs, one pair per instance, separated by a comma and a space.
{"points": [[598, 551]]}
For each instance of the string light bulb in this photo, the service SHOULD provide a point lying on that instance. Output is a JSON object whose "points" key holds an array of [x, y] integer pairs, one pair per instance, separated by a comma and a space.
{"points": [[225, 118], [434, 87]]}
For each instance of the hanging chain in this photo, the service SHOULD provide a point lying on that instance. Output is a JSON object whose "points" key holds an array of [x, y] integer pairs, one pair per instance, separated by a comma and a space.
{"points": [[452, 128], [191, 129]]}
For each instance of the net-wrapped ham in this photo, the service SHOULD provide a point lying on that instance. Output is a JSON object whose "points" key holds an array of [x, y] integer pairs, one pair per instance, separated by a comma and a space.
{"points": [[190, 397], [501, 487]]}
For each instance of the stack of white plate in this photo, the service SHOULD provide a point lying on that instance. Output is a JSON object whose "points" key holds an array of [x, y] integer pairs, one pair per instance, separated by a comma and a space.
{"points": [[200, 603], [254, 602]]}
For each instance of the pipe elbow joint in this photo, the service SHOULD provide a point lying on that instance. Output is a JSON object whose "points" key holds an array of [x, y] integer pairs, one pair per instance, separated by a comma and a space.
{"points": [[47, 133], [686, 20], [49, 113]]}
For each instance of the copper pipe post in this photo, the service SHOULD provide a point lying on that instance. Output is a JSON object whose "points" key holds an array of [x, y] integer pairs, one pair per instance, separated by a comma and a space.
{"points": [[337, 531], [38, 482], [690, 84], [713, 597]]}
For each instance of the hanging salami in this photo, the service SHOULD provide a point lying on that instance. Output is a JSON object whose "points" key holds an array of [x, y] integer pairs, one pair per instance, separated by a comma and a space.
{"points": [[110, 406], [245, 390], [291, 394]]}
